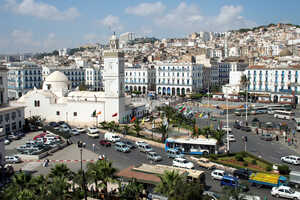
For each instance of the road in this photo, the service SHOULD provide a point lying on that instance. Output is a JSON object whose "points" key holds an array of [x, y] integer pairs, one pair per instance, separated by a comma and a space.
{"points": [[123, 160]]}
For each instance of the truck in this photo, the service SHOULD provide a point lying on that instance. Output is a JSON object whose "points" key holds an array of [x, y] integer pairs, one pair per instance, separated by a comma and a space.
{"points": [[294, 179], [268, 180], [205, 163]]}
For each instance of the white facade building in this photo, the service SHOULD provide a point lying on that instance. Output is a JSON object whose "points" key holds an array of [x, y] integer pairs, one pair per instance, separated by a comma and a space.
{"points": [[178, 78], [93, 78], [140, 78], [276, 82], [55, 103], [11, 118], [63, 52]]}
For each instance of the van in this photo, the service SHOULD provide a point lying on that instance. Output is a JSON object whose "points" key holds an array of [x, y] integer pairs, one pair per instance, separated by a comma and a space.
{"points": [[112, 137], [145, 148], [174, 153], [120, 146]]}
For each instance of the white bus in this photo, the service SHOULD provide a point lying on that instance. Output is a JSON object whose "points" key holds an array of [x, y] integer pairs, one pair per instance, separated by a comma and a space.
{"points": [[273, 108], [281, 114]]}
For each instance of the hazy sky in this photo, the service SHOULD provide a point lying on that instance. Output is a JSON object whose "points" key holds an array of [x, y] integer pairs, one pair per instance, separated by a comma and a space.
{"points": [[45, 25]]}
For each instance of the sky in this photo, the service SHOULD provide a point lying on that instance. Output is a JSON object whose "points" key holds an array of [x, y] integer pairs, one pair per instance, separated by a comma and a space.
{"points": [[46, 25]]}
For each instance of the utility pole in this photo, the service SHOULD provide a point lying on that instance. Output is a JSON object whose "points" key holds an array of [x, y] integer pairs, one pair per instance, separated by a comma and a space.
{"points": [[80, 146], [227, 124]]}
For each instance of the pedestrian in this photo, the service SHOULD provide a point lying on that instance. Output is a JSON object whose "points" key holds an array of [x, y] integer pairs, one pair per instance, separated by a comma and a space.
{"points": [[285, 138], [93, 147], [103, 157], [289, 141], [292, 141], [256, 131], [277, 138], [100, 157], [294, 132]]}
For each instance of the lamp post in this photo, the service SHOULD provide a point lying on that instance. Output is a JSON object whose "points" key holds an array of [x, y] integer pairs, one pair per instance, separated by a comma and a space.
{"points": [[247, 99], [227, 124], [80, 146]]}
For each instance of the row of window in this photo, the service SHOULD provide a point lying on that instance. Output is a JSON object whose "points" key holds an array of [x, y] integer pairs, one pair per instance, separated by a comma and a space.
{"points": [[58, 113], [9, 116]]}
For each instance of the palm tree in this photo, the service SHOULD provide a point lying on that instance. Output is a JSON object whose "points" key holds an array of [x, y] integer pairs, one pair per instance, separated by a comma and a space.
{"points": [[39, 185], [59, 188], [229, 193], [103, 124], [77, 178], [102, 171], [60, 170], [126, 129], [163, 129], [170, 184], [131, 191], [137, 127], [218, 135]]}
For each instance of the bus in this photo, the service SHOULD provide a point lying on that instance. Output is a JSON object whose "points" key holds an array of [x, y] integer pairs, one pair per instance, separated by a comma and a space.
{"points": [[281, 114], [259, 110], [192, 146], [241, 111], [273, 108]]}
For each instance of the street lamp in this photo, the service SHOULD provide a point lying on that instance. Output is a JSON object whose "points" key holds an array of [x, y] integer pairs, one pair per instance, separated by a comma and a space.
{"points": [[227, 124], [80, 146]]}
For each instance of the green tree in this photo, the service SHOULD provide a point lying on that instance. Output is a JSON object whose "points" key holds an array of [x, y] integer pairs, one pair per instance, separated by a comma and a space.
{"points": [[83, 87], [218, 135], [137, 127], [60, 170], [132, 190], [59, 188], [102, 171], [126, 129], [163, 129], [104, 125], [170, 184]]}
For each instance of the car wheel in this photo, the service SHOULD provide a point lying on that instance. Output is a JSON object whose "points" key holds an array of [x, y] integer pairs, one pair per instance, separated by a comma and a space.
{"points": [[277, 195], [295, 198]]}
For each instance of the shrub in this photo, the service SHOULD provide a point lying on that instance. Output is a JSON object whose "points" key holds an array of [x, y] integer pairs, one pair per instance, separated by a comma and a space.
{"points": [[245, 164], [243, 154], [253, 162], [239, 157], [269, 168], [213, 157], [284, 169]]}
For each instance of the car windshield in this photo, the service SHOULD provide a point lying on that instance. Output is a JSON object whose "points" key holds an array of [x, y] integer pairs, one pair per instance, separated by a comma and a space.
{"points": [[185, 161], [291, 191]]}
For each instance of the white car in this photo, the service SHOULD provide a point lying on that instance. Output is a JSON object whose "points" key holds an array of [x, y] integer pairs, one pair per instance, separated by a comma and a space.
{"points": [[246, 197], [74, 131], [218, 174], [285, 192], [6, 141], [12, 159], [295, 160], [139, 143], [225, 128], [183, 163], [93, 132]]}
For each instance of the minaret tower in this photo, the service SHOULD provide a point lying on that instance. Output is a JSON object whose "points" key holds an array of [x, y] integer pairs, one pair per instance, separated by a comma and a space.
{"points": [[113, 77]]}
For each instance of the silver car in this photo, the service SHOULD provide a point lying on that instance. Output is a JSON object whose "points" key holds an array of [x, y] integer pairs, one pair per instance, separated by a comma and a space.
{"points": [[153, 156]]}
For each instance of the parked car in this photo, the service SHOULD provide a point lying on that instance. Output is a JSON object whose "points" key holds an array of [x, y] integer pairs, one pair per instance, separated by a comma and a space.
{"points": [[225, 128], [130, 144], [93, 132], [120, 146], [145, 148], [183, 163], [64, 128], [7, 141], [153, 156], [105, 143], [112, 137], [286, 192], [242, 173], [14, 136], [266, 137], [138, 143], [74, 131], [54, 125], [81, 130], [218, 174], [245, 128], [291, 159], [246, 197], [236, 125], [12, 159]]}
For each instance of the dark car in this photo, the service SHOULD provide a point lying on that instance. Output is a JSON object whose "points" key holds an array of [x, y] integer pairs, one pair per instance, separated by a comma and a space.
{"points": [[246, 128], [61, 122], [105, 143], [242, 173], [14, 136], [129, 144], [53, 124], [266, 137], [236, 125]]}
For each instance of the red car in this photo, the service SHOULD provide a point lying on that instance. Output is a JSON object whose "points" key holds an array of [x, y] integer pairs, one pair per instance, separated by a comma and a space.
{"points": [[39, 136], [105, 143]]}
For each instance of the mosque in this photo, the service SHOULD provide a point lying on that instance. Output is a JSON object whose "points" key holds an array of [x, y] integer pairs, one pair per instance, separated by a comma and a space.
{"points": [[55, 101]]}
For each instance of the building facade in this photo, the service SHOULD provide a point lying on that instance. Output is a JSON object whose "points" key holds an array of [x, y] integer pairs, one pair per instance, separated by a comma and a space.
{"points": [[22, 77], [93, 78], [275, 82], [11, 118], [176, 79]]}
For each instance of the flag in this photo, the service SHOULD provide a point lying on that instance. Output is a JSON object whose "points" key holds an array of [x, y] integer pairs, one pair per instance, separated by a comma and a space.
{"points": [[133, 119], [183, 109], [94, 113], [98, 113], [201, 114], [114, 115], [143, 120]]}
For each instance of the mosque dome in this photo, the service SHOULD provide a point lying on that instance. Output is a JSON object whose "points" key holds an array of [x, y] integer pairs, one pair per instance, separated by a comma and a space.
{"points": [[285, 52], [57, 77]]}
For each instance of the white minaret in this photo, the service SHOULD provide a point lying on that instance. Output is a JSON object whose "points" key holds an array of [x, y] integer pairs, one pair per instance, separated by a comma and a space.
{"points": [[113, 76]]}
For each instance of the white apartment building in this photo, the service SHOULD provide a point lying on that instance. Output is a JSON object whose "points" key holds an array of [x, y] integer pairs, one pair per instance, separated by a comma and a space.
{"points": [[63, 52], [22, 77], [178, 78], [76, 75], [276, 82], [11, 118], [93, 78], [140, 78]]}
